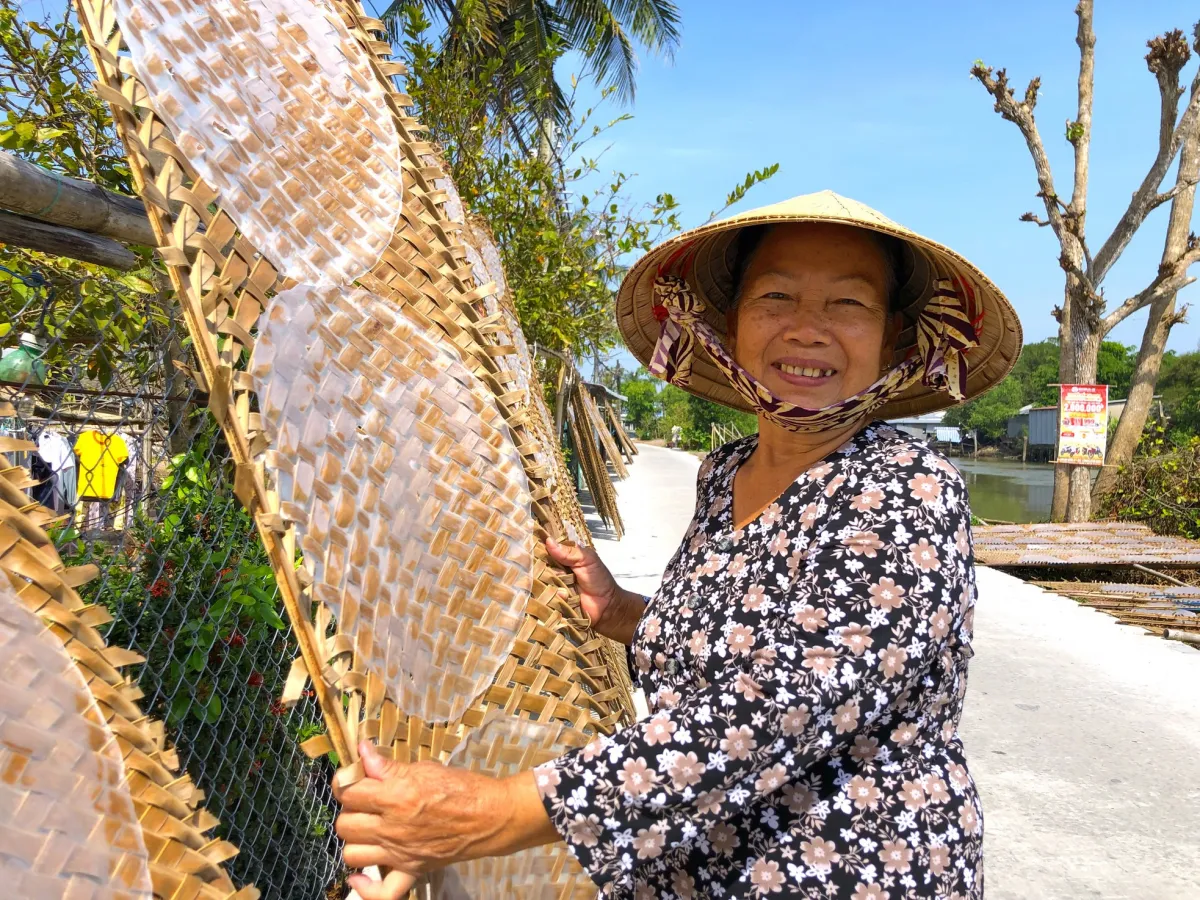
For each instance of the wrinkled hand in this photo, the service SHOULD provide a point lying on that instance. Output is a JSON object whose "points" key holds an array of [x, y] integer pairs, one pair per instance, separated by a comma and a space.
{"points": [[613, 611], [412, 819], [415, 818]]}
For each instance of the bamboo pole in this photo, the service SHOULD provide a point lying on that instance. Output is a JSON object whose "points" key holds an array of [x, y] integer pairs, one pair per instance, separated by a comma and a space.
{"points": [[32, 191], [60, 241]]}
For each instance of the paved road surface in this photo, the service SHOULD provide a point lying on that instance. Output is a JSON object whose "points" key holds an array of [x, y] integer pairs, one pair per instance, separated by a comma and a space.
{"points": [[1084, 735]]}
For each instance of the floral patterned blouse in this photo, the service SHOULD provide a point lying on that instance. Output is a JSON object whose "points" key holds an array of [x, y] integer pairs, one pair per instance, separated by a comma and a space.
{"points": [[805, 678]]}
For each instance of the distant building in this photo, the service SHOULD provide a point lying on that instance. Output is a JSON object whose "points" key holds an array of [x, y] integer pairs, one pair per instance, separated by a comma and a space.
{"points": [[928, 427], [1041, 422]]}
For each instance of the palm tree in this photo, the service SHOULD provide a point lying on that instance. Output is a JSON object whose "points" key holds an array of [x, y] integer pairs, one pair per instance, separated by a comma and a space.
{"points": [[524, 38]]}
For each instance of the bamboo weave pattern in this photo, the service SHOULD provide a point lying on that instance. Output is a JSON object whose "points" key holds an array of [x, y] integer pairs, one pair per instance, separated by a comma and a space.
{"points": [[110, 739], [70, 827], [558, 670], [410, 501], [287, 122]]}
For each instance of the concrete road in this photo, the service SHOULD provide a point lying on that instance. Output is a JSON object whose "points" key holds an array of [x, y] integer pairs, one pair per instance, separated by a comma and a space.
{"points": [[1084, 735]]}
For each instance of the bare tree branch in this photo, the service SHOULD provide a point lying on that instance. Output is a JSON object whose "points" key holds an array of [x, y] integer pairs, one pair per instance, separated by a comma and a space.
{"points": [[1020, 113], [1079, 132], [1168, 55], [1167, 196], [1030, 217], [1171, 278]]}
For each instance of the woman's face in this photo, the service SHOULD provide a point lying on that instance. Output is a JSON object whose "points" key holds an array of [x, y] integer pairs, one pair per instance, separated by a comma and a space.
{"points": [[812, 322]]}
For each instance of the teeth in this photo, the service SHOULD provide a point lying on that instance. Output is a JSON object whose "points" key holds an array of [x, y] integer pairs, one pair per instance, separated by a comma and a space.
{"points": [[807, 372]]}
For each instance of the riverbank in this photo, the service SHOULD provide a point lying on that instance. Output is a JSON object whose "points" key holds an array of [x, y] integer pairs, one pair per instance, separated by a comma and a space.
{"points": [[1080, 732]]}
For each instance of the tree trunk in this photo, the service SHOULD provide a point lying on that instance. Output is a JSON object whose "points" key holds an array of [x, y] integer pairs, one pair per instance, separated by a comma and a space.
{"points": [[1079, 347], [1162, 318]]}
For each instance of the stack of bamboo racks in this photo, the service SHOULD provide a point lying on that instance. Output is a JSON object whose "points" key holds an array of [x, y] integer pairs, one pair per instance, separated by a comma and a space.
{"points": [[595, 445], [232, 241]]}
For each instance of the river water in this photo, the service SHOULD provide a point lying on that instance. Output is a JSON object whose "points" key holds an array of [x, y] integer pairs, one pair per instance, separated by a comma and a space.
{"points": [[1008, 491]]}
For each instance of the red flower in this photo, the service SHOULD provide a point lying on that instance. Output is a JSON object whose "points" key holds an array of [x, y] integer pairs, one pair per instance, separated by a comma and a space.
{"points": [[277, 708], [236, 640], [255, 679], [160, 588], [660, 312]]}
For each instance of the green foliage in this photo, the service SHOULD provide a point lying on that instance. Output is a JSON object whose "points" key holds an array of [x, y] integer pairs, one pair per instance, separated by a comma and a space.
{"points": [[739, 192], [1114, 367], [518, 44], [641, 402], [51, 116], [565, 228], [563, 246], [1161, 486], [90, 317], [654, 408], [191, 589], [990, 413], [1179, 386], [703, 414]]}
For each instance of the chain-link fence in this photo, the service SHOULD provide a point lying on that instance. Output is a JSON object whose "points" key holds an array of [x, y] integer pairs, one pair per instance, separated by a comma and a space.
{"points": [[94, 372]]}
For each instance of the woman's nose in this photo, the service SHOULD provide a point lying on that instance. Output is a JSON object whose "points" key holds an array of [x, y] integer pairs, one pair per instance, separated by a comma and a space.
{"points": [[808, 325]]}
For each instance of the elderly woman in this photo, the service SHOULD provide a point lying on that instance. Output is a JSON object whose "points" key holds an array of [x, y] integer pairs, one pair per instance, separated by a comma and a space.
{"points": [[804, 662]]}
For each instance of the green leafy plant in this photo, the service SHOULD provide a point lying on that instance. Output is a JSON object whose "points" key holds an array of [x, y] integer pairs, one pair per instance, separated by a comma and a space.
{"points": [[1161, 486], [190, 588]]}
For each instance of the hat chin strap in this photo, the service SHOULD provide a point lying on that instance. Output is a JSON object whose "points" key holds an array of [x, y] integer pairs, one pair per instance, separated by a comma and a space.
{"points": [[945, 333]]}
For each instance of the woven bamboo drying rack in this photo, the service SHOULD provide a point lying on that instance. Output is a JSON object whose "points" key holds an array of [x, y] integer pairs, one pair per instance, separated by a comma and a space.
{"points": [[627, 446], [607, 441], [559, 671], [587, 442], [180, 857]]}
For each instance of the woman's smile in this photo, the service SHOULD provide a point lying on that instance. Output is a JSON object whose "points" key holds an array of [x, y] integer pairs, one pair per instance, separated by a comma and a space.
{"points": [[804, 373]]}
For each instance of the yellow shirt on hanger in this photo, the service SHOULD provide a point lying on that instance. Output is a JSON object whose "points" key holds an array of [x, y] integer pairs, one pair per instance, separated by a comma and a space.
{"points": [[100, 458]]}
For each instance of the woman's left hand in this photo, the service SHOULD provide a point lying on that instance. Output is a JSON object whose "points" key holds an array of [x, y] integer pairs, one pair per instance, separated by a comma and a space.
{"points": [[419, 817]]}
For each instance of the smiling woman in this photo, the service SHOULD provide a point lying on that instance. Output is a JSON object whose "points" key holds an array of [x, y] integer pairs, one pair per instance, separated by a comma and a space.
{"points": [[804, 661], [811, 317]]}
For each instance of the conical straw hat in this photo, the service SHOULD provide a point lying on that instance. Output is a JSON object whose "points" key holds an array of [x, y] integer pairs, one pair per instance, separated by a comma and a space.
{"points": [[711, 278]]}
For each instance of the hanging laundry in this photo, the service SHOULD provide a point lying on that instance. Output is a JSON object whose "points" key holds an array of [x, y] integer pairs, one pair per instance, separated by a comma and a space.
{"points": [[55, 451], [100, 457]]}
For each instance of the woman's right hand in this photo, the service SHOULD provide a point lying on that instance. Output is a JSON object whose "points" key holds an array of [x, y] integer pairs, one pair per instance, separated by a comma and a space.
{"points": [[613, 611]]}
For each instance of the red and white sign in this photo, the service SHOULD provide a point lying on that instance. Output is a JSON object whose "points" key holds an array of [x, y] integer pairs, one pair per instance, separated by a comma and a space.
{"points": [[1082, 424]]}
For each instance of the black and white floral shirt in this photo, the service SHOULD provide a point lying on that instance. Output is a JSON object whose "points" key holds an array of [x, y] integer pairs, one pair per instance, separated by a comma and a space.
{"points": [[805, 677]]}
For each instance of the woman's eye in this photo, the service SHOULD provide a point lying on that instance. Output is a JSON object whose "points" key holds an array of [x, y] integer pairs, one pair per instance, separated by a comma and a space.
{"points": [[851, 301]]}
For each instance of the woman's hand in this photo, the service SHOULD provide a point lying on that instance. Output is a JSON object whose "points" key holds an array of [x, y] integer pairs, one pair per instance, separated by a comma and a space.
{"points": [[614, 611], [416, 818]]}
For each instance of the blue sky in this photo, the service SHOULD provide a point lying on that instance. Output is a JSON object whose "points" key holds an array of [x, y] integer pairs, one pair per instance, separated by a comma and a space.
{"points": [[873, 100]]}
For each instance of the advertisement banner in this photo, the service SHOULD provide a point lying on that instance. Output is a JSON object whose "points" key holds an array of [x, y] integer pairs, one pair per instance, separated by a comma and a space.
{"points": [[1082, 424]]}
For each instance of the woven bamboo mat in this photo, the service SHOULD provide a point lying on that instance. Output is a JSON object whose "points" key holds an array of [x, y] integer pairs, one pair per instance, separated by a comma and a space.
{"points": [[1090, 544], [92, 802], [557, 670], [627, 446], [1153, 607]]}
